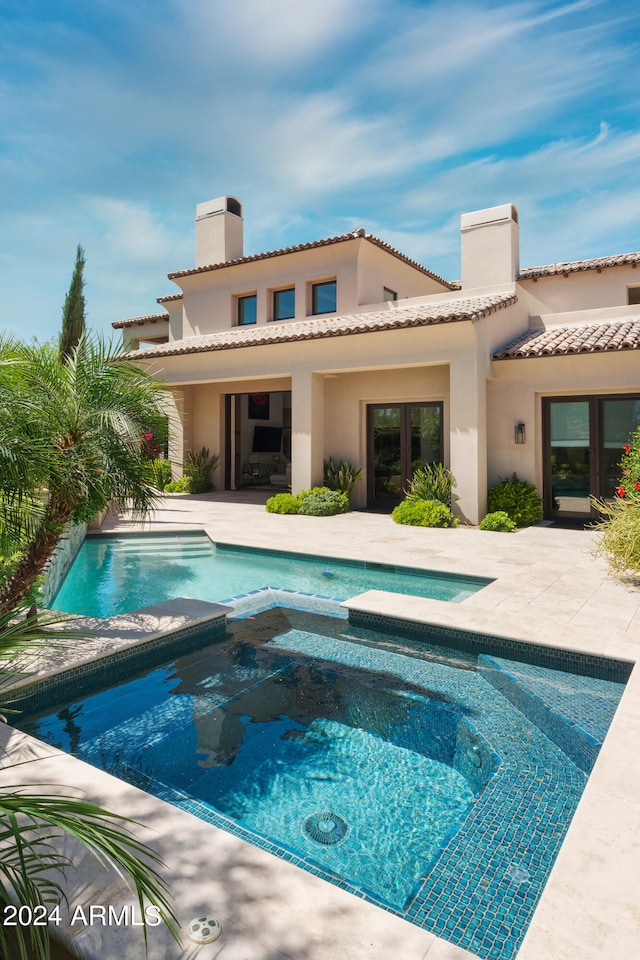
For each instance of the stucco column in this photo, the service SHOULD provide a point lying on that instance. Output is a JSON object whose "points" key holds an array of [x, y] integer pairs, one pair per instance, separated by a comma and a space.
{"points": [[307, 429], [468, 435], [176, 404]]}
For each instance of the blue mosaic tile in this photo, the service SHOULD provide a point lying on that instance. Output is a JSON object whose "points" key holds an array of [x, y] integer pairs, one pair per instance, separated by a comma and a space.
{"points": [[520, 737]]}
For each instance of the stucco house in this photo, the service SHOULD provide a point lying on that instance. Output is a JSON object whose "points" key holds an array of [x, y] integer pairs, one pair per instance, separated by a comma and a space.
{"points": [[345, 347]]}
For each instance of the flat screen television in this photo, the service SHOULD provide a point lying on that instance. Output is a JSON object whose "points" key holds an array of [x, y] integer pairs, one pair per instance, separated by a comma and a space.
{"points": [[267, 439]]}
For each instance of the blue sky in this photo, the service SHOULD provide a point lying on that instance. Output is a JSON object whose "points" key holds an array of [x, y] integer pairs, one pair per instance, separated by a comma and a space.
{"points": [[321, 116]]}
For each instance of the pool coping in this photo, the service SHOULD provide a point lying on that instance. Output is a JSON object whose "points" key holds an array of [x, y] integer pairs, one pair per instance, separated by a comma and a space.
{"points": [[379, 932], [598, 916]]}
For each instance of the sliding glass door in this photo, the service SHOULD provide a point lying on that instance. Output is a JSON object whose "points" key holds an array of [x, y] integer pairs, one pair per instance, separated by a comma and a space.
{"points": [[584, 439], [400, 437]]}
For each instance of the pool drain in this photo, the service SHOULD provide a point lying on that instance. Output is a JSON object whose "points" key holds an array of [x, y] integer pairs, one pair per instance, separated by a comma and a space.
{"points": [[326, 828], [204, 929]]}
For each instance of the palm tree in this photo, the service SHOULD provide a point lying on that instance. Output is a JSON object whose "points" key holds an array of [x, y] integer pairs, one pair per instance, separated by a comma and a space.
{"points": [[31, 867], [71, 442]]}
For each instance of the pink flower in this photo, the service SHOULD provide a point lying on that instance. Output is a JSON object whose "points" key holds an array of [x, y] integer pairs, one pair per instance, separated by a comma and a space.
{"points": [[627, 448], [620, 491], [637, 485]]}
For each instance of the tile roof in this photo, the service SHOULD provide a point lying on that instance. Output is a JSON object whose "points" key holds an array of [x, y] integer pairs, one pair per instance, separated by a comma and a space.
{"points": [[140, 321], [316, 328], [599, 337], [575, 266], [355, 235], [169, 298]]}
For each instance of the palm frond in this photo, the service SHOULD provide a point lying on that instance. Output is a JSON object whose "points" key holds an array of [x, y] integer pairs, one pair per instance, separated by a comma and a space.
{"points": [[32, 824]]}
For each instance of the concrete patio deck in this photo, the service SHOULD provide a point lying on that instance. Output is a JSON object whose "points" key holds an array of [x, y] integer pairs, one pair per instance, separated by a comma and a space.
{"points": [[548, 588]]}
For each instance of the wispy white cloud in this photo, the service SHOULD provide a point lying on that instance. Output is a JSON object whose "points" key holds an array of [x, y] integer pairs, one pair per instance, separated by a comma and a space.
{"points": [[396, 115]]}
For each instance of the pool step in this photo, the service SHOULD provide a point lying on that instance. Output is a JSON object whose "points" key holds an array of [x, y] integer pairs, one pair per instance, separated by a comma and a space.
{"points": [[574, 717]]}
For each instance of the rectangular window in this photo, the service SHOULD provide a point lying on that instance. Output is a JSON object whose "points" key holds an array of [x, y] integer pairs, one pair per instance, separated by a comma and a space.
{"points": [[323, 297], [400, 438], [583, 441], [284, 304], [634, 294], [389, 295], [247, 310]]}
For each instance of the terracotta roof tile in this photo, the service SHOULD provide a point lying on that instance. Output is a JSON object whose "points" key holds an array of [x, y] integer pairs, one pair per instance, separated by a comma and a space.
{"points": [[561, 341], [355, 235], [575, 266], [316, 328], [169, 298], [140, 321]]}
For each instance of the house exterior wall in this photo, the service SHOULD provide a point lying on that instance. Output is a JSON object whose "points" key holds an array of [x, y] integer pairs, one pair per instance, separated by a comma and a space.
{"points": [[361, 271], [309, 367], [347, 395], [515, 396], [334, 378], [377, 270], [582, 290]]}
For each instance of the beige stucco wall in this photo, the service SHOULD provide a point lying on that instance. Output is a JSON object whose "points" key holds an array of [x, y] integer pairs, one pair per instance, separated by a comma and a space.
{"points": [[583, 290], [361, 271], [200, 418], [516, 393], [391, 361], [346, 397], [210, 298], [377, 270]]}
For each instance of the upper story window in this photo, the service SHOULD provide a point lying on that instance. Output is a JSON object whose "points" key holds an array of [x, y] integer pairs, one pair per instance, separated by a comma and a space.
{"points": [[284, 304], [634, 294], [389, 295], [247, 310], [323, 297]]}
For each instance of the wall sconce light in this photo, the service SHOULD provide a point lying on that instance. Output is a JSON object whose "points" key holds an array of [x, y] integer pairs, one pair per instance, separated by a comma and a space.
{"points": [[519, 433]]}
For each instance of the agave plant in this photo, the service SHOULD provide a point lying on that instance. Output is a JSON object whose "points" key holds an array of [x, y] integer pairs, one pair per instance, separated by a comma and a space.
{"points": [[197, 466], [341, 476], [432, 481], [32, 868]]}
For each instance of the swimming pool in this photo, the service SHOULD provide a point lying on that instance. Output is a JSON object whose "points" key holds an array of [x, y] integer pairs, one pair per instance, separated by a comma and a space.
{"points": [[118, 574], [436, 781]]}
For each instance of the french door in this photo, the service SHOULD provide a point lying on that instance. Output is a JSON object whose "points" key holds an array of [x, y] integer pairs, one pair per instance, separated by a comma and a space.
{"points": [[400, 437], [584, 439]]}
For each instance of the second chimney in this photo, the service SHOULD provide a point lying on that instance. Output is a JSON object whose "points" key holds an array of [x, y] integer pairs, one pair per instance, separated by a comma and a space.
{"points": [[490, 246], [218, 231]]}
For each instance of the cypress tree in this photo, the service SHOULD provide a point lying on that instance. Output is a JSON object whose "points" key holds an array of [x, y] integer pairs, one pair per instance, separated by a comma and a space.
{"points": [[73, 320]]}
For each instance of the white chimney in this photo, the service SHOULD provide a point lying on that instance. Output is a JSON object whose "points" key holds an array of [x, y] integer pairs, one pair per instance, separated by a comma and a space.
{"points": [[490, 246], [218, 231]]}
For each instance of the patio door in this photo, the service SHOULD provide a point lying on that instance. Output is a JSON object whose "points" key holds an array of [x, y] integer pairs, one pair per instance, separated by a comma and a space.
{"points": [[584, 439], [400, 437]]}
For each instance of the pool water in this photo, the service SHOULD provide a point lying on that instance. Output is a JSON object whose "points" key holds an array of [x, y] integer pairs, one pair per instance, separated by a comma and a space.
{"points": [[401, 770], [114, 575]]}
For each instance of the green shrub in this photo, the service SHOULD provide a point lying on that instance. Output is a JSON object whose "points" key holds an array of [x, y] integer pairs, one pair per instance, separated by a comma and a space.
{"points": [[317, 502], [498, 521], [518, 499], [424, 513], [341, 476], [183, 485], [620, 523], [620, 536], [198, 465], [306, 493], [324, 503], [159, 473], [432, 481], [283, 503]]}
